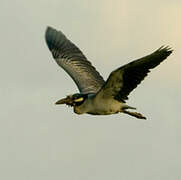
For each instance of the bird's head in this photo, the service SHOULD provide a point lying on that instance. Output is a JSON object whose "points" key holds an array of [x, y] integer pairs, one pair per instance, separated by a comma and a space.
{"points": [[73, 100]]}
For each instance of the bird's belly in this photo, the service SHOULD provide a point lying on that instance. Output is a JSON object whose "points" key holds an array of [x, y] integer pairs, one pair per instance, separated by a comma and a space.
{"points": [[106, 107]]}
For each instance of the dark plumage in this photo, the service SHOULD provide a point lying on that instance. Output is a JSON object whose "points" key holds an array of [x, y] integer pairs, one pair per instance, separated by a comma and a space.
{"points": [[126, 78]]}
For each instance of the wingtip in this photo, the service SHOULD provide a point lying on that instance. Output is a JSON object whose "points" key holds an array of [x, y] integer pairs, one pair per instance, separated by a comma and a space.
{"points": [[166, 48], [51, 35], [49, 28], [47, 36], [54, 38]]}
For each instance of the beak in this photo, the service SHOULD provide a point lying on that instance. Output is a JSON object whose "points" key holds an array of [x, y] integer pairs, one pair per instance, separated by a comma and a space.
{"points": [[66, 100]]}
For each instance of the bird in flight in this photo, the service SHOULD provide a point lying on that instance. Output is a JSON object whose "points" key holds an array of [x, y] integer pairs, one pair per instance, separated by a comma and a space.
{"points": [[99, 97]]}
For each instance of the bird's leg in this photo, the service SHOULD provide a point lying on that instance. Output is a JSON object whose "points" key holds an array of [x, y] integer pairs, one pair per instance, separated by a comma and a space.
{"points": [[127, 107], [135, 114]]}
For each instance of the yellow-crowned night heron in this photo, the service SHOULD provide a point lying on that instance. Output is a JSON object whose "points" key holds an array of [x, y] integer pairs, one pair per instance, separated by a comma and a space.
{"points": [[99, 97]]}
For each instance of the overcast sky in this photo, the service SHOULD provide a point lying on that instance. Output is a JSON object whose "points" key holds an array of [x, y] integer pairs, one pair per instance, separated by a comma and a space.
{"points": [[41, 141]]}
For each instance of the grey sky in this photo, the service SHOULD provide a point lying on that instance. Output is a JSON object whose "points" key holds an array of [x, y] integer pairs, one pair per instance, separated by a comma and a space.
{"points": [[41, 141]]}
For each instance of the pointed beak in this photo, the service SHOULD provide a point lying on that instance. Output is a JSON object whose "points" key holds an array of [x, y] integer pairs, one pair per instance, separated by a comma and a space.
{"points": [[66, 100], [62, 101]]}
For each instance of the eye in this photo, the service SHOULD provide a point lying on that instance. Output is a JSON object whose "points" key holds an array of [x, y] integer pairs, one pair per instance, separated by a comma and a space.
{"points": [[79, 99]]}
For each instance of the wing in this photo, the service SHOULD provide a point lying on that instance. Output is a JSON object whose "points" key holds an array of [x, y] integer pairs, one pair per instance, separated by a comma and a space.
{"points": [[73, 61], [126, 78]]}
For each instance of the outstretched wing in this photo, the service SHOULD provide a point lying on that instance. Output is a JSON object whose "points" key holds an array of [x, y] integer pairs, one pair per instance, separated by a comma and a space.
{"points": [[73, 61], [126, 78]]}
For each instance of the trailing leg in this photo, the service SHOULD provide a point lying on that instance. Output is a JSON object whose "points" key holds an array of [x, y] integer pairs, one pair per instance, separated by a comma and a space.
{"points": [[135, 114]]}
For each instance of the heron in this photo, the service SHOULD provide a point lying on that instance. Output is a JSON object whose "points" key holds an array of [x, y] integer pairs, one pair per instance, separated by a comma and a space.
{"points": [[97, 96]]}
